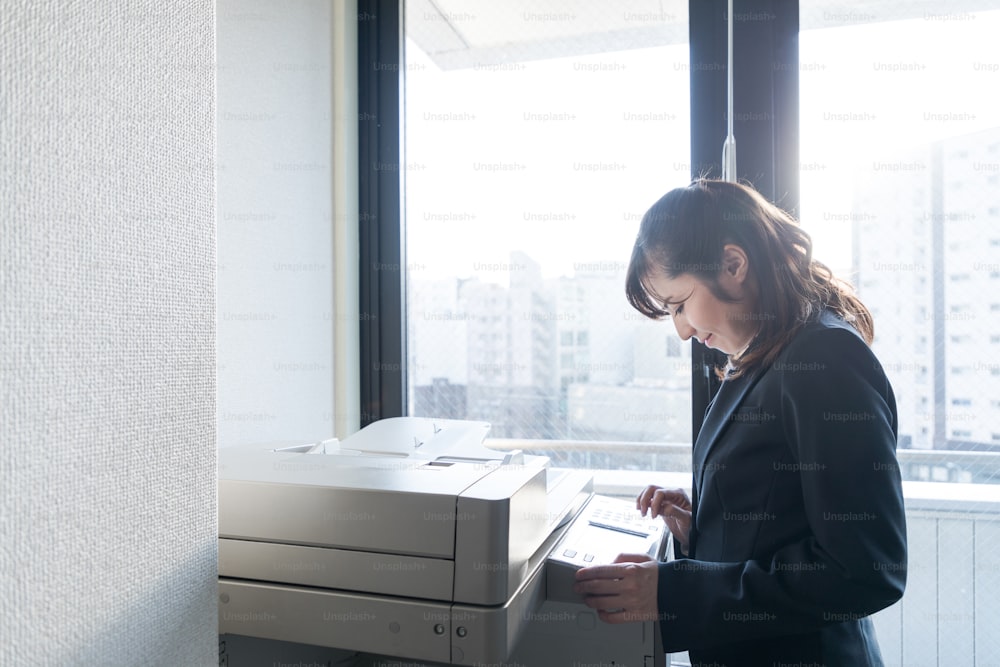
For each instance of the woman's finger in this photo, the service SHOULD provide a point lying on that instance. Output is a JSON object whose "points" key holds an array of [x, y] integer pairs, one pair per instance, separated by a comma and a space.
{"points": [[632, 558], [644, 499], [599, 572], [676, 512], [599, 588]]}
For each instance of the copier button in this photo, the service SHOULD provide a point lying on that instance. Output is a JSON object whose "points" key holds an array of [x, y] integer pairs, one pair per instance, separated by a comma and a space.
{"points": [[569, 553]]}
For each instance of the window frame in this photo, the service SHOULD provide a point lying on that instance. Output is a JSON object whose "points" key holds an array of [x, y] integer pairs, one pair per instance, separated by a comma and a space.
{"points": [[765, 55], [381, 247]]}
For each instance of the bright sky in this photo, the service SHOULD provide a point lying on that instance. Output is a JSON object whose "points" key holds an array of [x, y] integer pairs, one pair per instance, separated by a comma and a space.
{"points": [[895, 72], [578, 183], [560, 158]]}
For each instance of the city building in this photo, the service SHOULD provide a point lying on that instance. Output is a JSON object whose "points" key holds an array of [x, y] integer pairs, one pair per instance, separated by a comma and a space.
{"points": [[926, 246]]}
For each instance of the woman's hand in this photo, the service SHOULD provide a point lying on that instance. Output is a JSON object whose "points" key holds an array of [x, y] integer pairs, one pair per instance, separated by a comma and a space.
{"points": [[675, 508], [622, 592]]}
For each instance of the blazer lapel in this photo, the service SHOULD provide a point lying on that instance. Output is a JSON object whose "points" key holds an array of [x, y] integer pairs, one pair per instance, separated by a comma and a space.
{"points": [[725, 403]]}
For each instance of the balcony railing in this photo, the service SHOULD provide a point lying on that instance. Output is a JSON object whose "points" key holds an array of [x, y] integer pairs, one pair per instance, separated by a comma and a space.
{"points": [[924, 465]]}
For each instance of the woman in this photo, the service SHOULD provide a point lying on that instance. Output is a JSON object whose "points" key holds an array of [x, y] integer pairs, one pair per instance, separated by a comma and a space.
{"points": [[794, 533]]}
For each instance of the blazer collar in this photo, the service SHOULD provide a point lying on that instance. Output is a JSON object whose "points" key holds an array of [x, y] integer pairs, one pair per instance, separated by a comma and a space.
{"points": [[727, 400]]}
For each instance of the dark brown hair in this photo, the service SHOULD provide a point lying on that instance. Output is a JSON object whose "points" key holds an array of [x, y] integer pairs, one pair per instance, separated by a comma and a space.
{"points": [[684, 233]]}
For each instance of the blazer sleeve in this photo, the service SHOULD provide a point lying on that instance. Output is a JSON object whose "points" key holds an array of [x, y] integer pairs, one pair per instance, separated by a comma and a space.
{"points": [[839, 419]]}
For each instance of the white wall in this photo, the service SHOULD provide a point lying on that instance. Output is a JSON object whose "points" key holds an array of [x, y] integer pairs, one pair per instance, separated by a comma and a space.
{"points": [[275, 213], [107, 333]]}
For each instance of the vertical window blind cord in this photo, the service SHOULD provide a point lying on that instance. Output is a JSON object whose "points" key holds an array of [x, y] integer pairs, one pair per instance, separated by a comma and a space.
{"points": [[729, 147]]}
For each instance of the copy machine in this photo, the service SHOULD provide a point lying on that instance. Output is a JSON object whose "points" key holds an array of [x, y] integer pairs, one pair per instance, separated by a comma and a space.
{"points": [[410, 543]]}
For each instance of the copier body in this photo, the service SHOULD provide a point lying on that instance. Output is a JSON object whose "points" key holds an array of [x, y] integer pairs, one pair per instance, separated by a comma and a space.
{"points": [[408, 539]]}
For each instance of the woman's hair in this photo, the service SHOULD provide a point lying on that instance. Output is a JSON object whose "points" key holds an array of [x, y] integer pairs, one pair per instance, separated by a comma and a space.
{"points": [[684, 233]]}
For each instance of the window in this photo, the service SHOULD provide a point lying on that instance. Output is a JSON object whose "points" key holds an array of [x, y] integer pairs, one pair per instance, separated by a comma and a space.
{"points": [[537, 140], [846, 106]]}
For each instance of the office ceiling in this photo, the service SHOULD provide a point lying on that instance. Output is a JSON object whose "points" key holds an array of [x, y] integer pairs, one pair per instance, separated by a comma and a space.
{"points": [[459, 34]]}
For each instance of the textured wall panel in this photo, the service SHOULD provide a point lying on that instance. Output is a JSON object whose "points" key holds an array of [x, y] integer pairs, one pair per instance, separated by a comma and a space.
{"points": [[107, 333]]}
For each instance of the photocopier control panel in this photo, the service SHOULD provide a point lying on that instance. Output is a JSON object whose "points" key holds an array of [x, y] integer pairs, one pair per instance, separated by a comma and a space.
{"points": [[605, 528]]}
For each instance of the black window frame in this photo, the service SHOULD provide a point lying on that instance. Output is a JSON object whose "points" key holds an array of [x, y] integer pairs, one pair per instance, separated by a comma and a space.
{"points": [[381, 171], [766, 127]]}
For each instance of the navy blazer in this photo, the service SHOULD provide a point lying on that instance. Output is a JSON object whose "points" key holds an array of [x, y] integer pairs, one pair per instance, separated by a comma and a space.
{"points": [[798, 531]]}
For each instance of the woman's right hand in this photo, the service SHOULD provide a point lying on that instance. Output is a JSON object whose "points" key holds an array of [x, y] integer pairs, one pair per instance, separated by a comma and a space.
{"points": [[673, 505]]}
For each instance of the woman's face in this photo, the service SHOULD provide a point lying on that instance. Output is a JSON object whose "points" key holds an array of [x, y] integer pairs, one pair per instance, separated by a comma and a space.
{"points": [[697, 312]]}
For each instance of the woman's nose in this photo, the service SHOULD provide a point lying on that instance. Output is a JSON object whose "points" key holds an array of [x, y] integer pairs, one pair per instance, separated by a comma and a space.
{"points": [[684, 330]]}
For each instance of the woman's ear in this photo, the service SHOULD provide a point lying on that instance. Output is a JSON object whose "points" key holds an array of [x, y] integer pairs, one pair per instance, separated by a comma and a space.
{"points": [[735, 264]]}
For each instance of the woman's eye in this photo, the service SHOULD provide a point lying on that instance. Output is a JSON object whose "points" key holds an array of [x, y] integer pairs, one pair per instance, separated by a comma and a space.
{"points": [[679, 309]]}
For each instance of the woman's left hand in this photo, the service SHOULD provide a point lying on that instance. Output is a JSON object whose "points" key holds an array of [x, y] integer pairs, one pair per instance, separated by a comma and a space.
{"points": [[622, 592]]}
